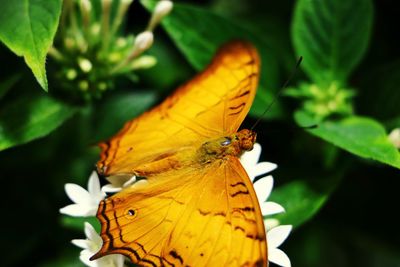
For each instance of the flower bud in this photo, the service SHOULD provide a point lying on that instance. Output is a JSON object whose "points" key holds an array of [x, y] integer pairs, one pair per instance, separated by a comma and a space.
{"points": [[143, 41], [162, 9], [143, 62], [85, 64]]}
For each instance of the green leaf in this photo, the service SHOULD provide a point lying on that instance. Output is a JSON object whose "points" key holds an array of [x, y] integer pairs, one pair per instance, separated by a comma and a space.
{"points": [[29, 118], [118, 109], [27, 27], [8, 84], [198, 33], [361, 136], [332, 36], [302, 199]]}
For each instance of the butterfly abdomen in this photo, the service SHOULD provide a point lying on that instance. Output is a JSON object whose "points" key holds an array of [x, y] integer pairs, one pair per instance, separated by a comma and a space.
{"points": [[172, 160]]}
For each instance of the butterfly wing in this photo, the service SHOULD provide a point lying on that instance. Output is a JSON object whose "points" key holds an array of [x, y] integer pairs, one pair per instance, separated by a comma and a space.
{"points": [[212, 104], [208, 218]]}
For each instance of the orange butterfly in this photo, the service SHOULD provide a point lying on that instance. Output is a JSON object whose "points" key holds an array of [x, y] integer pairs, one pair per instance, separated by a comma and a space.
{"points": [[199, 207]]}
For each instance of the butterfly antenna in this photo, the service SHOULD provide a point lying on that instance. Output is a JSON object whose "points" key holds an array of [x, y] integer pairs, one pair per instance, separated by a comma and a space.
{"points": [[279, 92]]}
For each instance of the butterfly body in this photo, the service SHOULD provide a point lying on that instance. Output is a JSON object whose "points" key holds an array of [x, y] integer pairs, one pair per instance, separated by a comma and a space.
{"points": [[233, 145], [198, 207]]}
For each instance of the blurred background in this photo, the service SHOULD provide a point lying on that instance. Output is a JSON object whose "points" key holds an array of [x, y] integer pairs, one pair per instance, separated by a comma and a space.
{"points": [[344, 207]]}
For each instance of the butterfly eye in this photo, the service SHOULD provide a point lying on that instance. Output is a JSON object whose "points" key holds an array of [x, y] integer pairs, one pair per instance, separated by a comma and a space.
{"points": [[226, 142]]}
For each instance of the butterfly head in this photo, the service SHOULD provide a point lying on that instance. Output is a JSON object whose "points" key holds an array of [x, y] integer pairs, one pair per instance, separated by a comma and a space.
{"points": [[246, 139]]}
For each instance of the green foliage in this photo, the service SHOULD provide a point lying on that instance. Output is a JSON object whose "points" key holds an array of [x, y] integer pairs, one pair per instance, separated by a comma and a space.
{"points": [[358, 135], [6, 85], [90, 35], [31, 117], [332, 36], [28, 27], [302, 199], [200, 42], [324, 102]]}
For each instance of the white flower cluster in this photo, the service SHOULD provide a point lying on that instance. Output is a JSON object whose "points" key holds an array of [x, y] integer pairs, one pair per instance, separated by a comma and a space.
{"points": [[144, 40], [276, 234], [91, 49], [86, 203]]}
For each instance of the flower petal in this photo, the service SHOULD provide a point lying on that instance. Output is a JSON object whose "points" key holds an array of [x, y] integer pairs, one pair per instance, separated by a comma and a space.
{"points": [[277, 235], [270, 223], [130, 181], [110, 188], [91, 234], [77, 194], [250, 158], [263, 168], [94, 184], [119, 260], [78, 210], [142, 182], [263, 188], [85, 258], [270, 208], [279, 257], [82, 243]]}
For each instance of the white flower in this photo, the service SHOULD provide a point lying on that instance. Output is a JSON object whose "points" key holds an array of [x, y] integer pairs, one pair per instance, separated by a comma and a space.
{"points": [[275, 238], [91, 245], [117, 183], [263, 187], [86, 202], [249, 160], [162, 9]]}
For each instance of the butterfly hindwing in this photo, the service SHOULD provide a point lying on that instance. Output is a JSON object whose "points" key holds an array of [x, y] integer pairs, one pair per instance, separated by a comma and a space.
{"points": [[207, 219]]}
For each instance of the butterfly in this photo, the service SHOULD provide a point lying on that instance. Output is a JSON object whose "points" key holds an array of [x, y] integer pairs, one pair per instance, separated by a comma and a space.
{"points": [[198, 207]]}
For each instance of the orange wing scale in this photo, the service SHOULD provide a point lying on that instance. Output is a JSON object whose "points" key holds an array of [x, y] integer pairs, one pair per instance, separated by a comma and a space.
{"points": [[198, 207], [212, 104]]}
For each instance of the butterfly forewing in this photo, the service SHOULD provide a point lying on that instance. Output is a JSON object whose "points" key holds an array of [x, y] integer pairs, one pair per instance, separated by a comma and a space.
{"points": [[212, 104]]}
